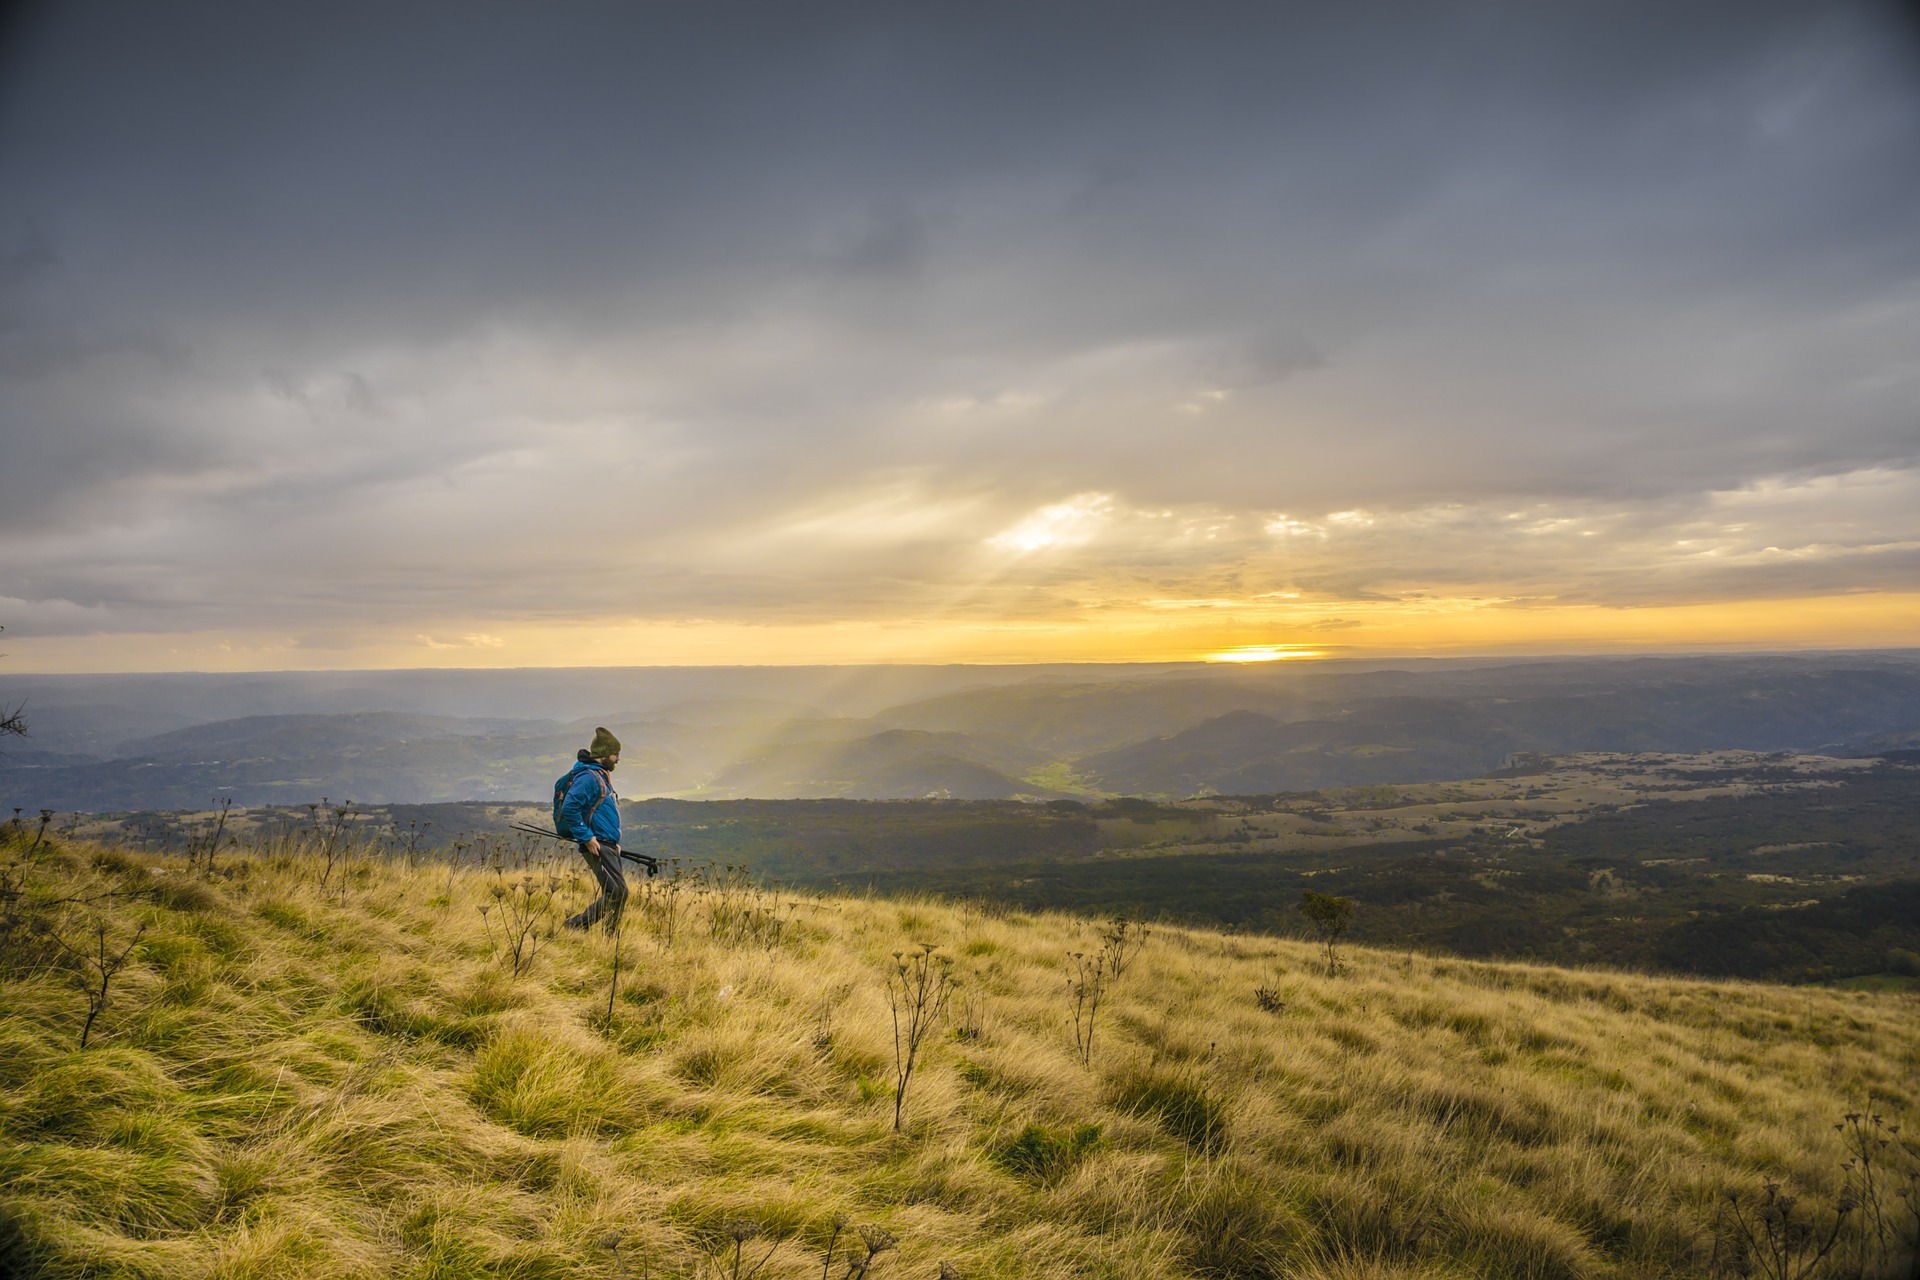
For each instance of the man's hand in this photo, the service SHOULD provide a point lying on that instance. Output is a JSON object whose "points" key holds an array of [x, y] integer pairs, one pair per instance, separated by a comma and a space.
{"points": [[593, 845]]}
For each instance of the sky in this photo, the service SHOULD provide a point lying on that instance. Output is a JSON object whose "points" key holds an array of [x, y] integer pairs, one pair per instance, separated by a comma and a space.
{"points": [[490, 334]]}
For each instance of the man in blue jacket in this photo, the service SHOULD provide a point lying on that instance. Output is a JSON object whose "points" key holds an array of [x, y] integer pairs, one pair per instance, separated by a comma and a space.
{"points": [[588, 813]]}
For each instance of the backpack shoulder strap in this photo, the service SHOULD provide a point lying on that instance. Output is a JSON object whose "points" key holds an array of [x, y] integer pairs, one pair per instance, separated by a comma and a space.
{"points": [[606, 789]]}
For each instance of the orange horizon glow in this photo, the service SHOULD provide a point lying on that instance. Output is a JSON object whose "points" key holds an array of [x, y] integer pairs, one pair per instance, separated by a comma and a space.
{"points": [[1264, 653], [1243, 632]]}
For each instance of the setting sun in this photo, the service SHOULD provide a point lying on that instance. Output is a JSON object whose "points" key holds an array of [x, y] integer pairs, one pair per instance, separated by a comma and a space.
{"points": [[1264, 653]]}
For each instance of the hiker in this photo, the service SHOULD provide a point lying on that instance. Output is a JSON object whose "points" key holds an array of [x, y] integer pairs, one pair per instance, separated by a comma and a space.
{"points": [[588, 813]]}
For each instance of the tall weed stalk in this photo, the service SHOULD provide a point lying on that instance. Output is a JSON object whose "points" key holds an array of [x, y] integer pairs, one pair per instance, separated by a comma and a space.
{"points": [[919, 985], [96, 965]]}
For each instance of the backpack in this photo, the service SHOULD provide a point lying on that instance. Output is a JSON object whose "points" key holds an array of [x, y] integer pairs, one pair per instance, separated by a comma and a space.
{"points": [[564, 784]]}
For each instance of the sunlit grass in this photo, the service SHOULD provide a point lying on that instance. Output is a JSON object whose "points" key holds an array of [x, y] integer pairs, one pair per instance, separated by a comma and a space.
{"points": [[294, 1081]]}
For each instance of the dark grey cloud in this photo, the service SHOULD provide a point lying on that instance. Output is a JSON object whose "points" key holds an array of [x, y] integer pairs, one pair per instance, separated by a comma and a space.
{"points": [[359, 309]]}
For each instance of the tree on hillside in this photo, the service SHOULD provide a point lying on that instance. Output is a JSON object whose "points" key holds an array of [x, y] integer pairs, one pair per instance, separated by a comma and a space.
{"points": [[1330, 917], [13, 724]]}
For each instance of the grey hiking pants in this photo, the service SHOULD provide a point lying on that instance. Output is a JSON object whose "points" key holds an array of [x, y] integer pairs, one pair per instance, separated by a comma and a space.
{"points": [[613, 888]]}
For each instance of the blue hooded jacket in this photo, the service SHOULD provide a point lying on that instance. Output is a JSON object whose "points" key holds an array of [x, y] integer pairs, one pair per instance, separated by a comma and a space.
{"points": [[579, 819]]}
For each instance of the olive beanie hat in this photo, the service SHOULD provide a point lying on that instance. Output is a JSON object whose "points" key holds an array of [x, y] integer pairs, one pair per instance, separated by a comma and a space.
{"points": [[604, 744]]}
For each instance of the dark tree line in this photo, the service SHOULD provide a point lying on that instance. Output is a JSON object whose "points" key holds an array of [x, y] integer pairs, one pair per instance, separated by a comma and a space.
{"points": [[13, 724]]}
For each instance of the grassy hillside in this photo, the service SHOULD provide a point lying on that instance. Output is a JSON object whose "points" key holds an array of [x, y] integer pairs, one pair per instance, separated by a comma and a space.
{"points": [[318, 1065]]}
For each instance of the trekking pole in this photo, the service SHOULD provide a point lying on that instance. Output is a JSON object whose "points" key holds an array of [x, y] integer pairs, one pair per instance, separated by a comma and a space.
{"points": [[650, 863]]}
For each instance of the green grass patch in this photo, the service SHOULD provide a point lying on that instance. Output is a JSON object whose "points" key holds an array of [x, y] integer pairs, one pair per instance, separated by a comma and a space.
{"points": [[1045, 1154], [1178, 1101]]}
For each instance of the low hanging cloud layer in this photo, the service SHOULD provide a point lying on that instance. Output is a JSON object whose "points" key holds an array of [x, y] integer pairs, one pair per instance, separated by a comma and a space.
{"points": [[413, 335]]}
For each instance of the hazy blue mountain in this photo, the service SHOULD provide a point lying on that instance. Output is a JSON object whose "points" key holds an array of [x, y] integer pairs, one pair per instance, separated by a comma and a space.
{"points": [[124, 742], [90, 714], [440, 769], [1881, 743], [1246, 753], [716, 711], [893, 765], [284, 736], [703, 749], [1060, 719], [1406, 739]]}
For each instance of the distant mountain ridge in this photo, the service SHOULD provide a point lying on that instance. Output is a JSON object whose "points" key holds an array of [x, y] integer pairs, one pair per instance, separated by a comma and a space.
{"points": [[1408, 739], [978, 734], [313, 732]]}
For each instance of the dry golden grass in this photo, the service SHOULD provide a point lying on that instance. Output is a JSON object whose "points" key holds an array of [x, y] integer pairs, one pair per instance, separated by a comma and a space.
{"points": [[292, 1082]]}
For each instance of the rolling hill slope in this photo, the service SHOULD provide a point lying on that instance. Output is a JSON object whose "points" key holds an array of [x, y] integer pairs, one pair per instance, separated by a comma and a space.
{"points": [[323, 1067], [1404, 738]]}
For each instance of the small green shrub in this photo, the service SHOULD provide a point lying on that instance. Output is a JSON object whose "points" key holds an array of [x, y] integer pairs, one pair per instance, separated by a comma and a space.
{"points": [[283, 915], [974, 1074], [1045, 1154], [180, 894], [1178, 1103], [489, 991], [117, 862], [379, 1008], [171, 953], [633, 1033], [220, 936], [703, 1065]]}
